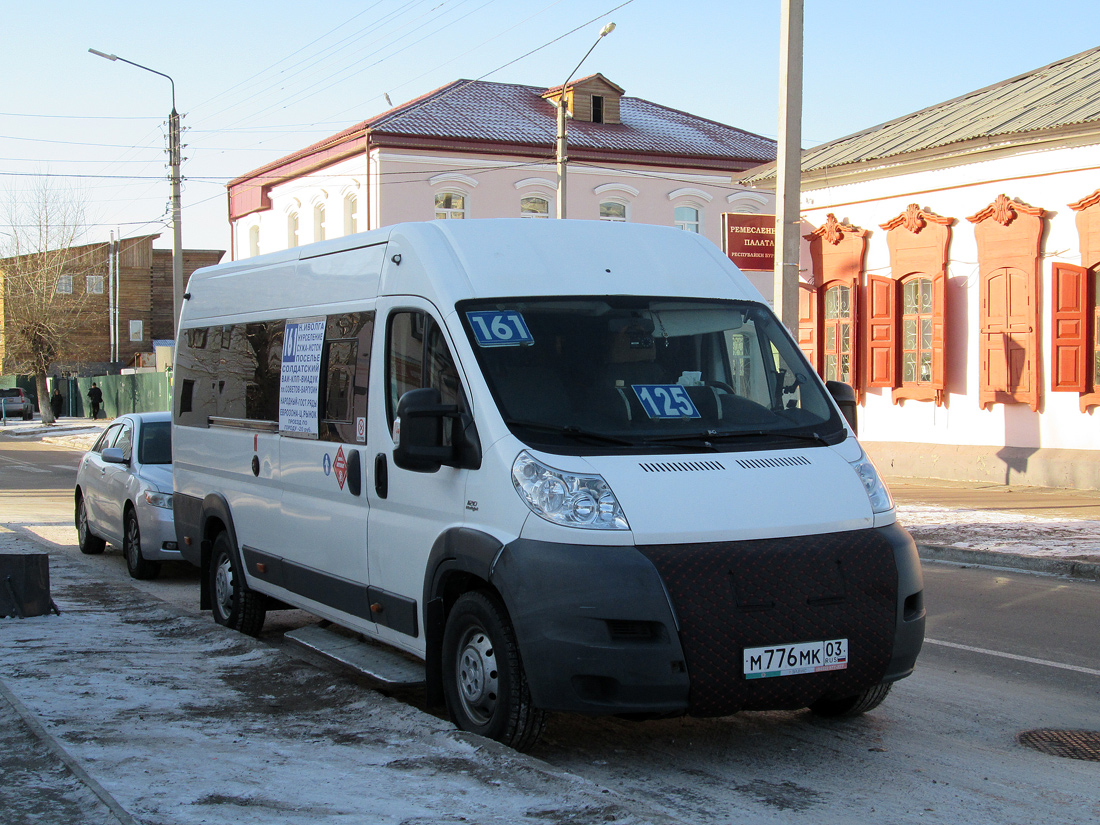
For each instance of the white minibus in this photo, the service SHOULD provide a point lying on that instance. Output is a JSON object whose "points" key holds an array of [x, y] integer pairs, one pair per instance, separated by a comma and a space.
{"points": [[569, 465]]}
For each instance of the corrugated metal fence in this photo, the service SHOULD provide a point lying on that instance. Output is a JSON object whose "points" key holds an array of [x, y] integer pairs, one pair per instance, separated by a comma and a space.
{"points": [[140, 392]]}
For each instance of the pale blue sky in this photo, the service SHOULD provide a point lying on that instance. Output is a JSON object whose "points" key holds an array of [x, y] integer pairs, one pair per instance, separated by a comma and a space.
{"points": [[258, 80]]}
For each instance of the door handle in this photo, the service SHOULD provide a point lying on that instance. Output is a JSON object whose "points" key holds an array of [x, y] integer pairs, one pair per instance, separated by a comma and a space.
{"points": [[381, 476], [355, 473]]}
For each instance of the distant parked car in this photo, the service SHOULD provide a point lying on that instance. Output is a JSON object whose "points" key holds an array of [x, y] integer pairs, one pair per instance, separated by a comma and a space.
{"points": [[124, 493], [14, 403]]}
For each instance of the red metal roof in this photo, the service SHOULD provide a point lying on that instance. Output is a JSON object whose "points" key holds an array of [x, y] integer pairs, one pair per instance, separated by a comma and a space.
{"points": [[478, 113]]}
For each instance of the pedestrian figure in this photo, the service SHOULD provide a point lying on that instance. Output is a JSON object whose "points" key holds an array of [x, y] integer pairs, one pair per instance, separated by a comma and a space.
{"points": [[57, 401], [95, 398]]}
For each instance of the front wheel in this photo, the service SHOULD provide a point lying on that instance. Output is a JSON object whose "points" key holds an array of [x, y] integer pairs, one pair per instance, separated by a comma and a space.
{"points": [[139, 566], [89, 544], [483, 679], [234, 605], [852, 705]]}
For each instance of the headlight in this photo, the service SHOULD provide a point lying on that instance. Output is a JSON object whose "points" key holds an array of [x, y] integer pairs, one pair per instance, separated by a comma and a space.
{"points": [[881, 500], [159, 499], [567, 498]]}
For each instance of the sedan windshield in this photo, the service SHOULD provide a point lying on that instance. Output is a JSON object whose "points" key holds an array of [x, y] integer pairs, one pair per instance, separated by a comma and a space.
{"points": [[619, 373]]}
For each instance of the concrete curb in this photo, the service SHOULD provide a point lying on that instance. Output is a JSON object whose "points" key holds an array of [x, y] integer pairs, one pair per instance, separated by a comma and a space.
{"points": [[55, 748], [1012, 561]]}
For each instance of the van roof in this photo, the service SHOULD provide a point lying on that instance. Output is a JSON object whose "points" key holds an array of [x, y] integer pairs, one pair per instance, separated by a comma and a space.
{"points": [[453, 260]]}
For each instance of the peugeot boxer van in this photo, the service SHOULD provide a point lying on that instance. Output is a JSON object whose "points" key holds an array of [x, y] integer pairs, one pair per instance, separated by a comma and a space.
{"points": [[570, 465]]}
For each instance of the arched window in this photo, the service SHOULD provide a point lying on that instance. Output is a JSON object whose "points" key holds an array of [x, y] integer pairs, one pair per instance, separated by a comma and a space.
{"points": [[351, 214], [319, 222], [534, 206], [253, 241], [688, 218], [613, 211], [916, 331], [838, 334], [292, 230], [450, 205]]}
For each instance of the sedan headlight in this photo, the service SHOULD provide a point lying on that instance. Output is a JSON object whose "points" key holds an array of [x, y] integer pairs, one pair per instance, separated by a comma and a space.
{"points": [[569, 499], [158, 499], [881, 500]]}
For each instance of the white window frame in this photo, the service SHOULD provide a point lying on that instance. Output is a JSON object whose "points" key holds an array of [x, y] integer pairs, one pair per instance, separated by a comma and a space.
{"points": [[293, 229], [696, 225], [535, 196], [319, 222], [254, 240], [617, 202], [93, 284], [64, 285], [351, 213], [451, 213]]}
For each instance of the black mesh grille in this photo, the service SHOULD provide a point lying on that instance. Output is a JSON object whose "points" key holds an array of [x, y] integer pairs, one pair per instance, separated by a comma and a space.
{"points": [[733, 595]]}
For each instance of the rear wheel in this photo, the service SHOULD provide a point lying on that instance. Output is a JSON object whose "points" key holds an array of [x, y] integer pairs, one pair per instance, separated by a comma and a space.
{"points": [[139, 566], [89, 544], [234, 605], [483, 678], [852, 705]]}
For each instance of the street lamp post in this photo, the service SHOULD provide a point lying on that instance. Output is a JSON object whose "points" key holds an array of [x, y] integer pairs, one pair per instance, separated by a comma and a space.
{"points": [[174, 158], [563, 142]]}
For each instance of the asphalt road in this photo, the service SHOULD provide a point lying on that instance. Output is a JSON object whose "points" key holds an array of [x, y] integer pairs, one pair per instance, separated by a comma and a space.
{"points": [[1006, 653]]}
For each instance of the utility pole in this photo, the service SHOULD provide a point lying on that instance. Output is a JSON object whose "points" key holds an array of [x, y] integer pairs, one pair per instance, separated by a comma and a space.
{"points": [[563, 140], [174, 161], [789, 165]]}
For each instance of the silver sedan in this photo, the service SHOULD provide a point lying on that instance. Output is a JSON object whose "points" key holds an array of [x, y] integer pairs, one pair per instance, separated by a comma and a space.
{"points": [[124, 493]]}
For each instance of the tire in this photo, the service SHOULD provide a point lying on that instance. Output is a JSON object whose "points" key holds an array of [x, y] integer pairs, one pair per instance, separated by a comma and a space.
{"points": [[233, 604], [139, 566], [852, 705], [483, 679], [90, 545]]}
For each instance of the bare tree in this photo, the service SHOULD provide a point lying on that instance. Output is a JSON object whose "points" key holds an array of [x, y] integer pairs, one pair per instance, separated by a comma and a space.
{"points": [[43, 275]]}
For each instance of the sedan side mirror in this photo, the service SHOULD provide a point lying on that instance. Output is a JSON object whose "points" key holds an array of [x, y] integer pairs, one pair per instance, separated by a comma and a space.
{"points": [[845, 397], [114, 455]]}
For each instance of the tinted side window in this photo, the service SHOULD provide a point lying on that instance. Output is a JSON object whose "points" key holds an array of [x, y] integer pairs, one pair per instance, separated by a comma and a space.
{"points": [[345, 376], [418, 357], [125, 440], [104, 441]]}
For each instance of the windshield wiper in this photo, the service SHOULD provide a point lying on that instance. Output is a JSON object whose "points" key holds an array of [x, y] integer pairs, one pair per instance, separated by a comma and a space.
{"points": [[712, 438], [570, 431]]}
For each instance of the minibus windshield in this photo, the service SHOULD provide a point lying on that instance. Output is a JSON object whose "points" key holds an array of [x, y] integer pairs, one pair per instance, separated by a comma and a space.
{"points": [[622, 373]]}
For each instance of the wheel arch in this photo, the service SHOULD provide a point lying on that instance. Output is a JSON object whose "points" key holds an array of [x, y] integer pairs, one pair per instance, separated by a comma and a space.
{"points": [[215, 517], [461, 560]]}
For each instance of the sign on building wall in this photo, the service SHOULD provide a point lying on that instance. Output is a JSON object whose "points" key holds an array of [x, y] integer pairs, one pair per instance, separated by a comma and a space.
{"points": [[749, 240]]}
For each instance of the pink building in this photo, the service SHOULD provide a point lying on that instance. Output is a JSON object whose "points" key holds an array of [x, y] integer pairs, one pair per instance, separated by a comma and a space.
{"points": [[474, 149]]}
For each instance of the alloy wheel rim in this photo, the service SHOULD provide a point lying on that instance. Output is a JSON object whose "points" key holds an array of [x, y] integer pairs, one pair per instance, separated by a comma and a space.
{"points": [[223, 587], [133, 542]]}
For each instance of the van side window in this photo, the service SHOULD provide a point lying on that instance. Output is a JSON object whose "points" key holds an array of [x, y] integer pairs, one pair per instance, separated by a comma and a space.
{"points": [[345, 375], [229, 371], [418, 357]]}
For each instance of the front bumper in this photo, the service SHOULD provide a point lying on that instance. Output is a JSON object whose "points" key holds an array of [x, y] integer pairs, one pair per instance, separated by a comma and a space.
{"points": [[158, 534], [661, 629]]}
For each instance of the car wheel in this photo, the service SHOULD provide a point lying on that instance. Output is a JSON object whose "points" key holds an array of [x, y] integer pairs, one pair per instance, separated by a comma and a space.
{"points": [[28, 415], [89, 544], [234, 605], [139, 566], [483, 679], [852, 705]]}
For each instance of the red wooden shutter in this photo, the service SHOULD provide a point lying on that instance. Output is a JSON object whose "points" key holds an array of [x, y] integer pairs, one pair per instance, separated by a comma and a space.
{"points": [[882, 335], [939, 335], [1069, 329], [809, 333]]}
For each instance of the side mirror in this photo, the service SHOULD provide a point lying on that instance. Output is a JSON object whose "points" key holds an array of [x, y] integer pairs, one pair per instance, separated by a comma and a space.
{"points": [[845, 397], [114, 455], [418, 431]]}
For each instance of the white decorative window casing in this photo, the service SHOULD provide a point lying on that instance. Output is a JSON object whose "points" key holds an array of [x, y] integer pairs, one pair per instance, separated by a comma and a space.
{"points": [[319, 222], [93, 284], [253, 241]]}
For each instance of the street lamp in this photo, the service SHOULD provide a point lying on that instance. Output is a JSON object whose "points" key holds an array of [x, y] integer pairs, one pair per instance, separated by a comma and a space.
{"points": [[562, 138], [174, 164]]}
